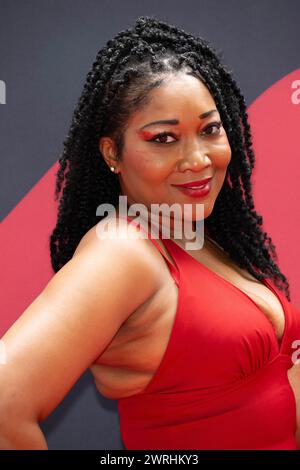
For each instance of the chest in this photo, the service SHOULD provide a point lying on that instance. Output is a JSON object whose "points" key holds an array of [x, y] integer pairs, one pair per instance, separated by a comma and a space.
{"points": [[221, 267], [134, 355]]}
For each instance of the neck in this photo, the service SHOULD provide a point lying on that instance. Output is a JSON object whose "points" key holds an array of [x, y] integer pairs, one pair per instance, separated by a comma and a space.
{"points": [[170, 226]]}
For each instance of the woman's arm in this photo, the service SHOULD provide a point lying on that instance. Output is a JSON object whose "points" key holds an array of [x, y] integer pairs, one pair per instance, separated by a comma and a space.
{"points": [[23, 435], [65, 329]]}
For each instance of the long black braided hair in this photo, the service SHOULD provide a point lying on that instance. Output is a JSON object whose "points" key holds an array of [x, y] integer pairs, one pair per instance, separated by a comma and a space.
{"points": [[130, 65]]}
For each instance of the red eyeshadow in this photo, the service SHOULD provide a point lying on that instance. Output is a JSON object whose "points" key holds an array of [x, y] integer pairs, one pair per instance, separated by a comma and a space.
{"points": [[145, 134]]}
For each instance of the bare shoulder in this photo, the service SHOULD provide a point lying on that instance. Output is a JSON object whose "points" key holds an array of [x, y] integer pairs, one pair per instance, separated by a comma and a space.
{"points": [[71, 322], [124, 242], [114, 237]]}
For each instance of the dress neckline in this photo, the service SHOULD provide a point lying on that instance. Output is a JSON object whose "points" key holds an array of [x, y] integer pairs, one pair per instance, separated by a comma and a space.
{"points": [[169, 242], [239, 291]]}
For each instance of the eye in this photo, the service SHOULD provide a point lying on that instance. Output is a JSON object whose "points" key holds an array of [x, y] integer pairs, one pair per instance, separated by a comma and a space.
{"points": [[164, 135], [217, 125]]}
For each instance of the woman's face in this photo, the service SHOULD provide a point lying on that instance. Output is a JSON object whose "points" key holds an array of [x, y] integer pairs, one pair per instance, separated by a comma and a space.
{"points": [[192, 148]]}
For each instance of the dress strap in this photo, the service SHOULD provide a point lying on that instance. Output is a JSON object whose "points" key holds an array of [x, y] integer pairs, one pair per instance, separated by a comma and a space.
{"points": [[174, 271]]}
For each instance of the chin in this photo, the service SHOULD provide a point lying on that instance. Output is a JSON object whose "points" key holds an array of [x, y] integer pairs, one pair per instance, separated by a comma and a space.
{"points": [[208, 207]]}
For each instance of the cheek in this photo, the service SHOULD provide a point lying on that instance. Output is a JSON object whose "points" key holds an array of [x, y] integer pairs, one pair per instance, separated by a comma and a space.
{"points": [[227, 150], [221, 162], [227, 156], [145, 165], [222, 156]]}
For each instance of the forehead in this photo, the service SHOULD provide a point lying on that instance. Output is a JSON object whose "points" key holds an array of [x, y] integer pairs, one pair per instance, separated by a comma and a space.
{"points": [[178, 93]]}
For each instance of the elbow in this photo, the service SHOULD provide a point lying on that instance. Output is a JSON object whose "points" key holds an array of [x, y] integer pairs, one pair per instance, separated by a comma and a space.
{"points": [[18, 433], [23, 436]]}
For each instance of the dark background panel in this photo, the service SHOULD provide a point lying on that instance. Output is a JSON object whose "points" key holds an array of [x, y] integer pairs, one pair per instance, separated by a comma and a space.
{"points": [[47, 48]]}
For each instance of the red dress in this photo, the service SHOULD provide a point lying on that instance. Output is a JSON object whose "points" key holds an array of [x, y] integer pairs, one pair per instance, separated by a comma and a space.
{"points": [[222, 382]]}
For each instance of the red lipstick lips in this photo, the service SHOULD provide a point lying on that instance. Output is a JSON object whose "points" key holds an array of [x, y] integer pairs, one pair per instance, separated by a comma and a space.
{"points": [[195, 188], [192, 184]]}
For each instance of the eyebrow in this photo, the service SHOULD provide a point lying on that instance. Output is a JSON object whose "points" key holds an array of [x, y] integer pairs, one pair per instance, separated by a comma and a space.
{"points": [[174, 122]]}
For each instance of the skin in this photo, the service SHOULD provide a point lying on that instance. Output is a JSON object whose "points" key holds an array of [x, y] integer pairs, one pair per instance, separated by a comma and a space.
{"points": [[197, 150], [77, 306], [148, 170], [69, 324]]}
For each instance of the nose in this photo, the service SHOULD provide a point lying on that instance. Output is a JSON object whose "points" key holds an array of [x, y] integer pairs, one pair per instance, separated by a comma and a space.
{"points": [[195, 162]]}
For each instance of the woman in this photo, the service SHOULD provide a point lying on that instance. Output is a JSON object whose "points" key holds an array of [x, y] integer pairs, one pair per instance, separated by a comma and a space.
{"points": [[196, 345]]}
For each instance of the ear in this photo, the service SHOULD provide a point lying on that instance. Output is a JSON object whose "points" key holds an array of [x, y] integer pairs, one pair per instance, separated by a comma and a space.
{"points": [[108, 151]]}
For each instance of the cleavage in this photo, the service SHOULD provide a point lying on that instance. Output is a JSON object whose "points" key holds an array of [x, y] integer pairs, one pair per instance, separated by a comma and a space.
{"points": [[216, 260]]}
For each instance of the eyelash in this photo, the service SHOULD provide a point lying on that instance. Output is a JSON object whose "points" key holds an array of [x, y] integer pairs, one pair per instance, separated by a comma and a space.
{"points": [[217, 124]]}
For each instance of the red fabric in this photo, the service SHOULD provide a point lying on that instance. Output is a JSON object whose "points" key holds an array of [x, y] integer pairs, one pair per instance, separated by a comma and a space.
{"points": [[222, 382]]}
